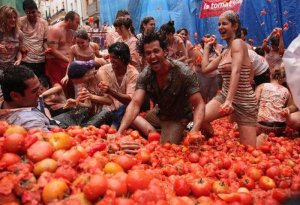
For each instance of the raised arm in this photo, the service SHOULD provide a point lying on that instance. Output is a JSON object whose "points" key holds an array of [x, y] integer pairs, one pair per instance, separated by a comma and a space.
{"points": [[207, 66]]}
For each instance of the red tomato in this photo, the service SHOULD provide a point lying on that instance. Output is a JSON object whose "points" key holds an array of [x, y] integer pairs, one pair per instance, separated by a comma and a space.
{"points": [[9, 159], [280, 195], [111, 130], [201, 187], [245, 198], [112, 168], [266, 183], [254, 173], [138, 179], [13, 142], [66, 172], [61, 140], [273, 172], [95, 187], [247, 182], [119, 187], [3, 127], [124, 201], [143, 156], [153, 136], [135, 134], [193, 157], [44, 165], [15, 129], [219, 187], [126, 162], [181, 187], [105, 128], [55, 189], [39, 150]]}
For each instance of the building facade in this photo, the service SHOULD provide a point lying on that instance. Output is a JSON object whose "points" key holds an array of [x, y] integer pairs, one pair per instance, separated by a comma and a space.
{"points": [[57, 9]]}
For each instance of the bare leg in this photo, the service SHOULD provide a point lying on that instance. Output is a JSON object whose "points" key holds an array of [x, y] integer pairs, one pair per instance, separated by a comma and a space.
{"points": [[247, 135], [211, 114], [143, 125]]}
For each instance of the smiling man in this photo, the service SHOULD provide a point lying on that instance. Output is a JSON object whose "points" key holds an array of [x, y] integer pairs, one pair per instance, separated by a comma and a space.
{"points": [[171, 85]]}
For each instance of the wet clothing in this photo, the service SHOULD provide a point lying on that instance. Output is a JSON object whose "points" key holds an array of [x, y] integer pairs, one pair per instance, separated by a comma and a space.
{"points": [[173, 99], [55, 70], [34, 39], [88, 54], [244, 101], [127, 85], [12, 45], [29, 118], [273, 99]]}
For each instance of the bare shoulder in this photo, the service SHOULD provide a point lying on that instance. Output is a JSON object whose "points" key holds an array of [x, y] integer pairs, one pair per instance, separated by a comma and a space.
{"points": [[239, 45]]}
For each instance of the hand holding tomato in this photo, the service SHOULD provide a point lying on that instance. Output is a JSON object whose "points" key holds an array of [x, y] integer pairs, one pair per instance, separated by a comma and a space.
{"points": [[103, 87], [226, 108], [285, 112]]}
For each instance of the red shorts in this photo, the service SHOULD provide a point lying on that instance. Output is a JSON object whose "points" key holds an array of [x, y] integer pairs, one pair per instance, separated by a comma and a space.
{"points": [[55, 70]]}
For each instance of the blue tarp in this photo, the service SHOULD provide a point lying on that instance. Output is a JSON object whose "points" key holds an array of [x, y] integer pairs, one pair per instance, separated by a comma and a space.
{"points": [[185, 13]]}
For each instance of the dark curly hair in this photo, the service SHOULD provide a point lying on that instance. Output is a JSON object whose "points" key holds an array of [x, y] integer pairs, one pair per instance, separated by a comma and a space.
{"points": [[121, 50], [148, 38], [14, 80]]}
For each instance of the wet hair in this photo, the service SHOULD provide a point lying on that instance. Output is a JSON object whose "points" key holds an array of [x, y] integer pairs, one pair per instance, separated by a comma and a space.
{"points": [[148, 38], [71, 15], [274, 41], [234, 19], [29, 4], [145, 21], [127, 22], [167, 28], [81, 33], [13, 80], [122, 13], [5, 13], [77, 69], [260, 51], [121, 50], [244, 30], [278, 74], [182, 29]]}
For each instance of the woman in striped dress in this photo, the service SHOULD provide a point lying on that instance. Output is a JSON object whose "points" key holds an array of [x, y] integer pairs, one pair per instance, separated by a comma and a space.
{"points": [[237, 97]]}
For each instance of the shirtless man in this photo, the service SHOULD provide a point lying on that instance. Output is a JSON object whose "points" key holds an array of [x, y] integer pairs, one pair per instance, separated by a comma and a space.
{"points": [[61, 37]]}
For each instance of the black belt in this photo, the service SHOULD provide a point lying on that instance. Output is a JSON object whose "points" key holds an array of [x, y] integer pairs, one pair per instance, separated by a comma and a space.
{"points": [[273, 124]]}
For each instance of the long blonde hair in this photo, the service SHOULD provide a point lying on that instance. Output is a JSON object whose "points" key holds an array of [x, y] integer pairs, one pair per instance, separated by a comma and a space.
{"points": [[5, 14]]}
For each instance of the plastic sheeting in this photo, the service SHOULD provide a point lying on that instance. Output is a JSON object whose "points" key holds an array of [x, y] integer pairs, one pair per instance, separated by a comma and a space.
{"points": [[185, 13]]}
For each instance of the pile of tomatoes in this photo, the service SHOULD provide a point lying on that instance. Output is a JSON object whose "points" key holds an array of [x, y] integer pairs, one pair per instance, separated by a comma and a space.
{"points": [[89, 166]]}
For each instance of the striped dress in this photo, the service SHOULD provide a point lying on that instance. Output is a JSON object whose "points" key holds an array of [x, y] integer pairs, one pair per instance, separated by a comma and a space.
{"points": [[244, 102]]}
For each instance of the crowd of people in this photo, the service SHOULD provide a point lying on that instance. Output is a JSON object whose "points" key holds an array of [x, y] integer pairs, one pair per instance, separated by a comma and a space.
{"points": [[56, 76]]}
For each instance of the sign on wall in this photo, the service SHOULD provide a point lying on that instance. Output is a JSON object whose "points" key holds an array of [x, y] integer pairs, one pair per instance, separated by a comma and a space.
{"points": [[211, 8]]}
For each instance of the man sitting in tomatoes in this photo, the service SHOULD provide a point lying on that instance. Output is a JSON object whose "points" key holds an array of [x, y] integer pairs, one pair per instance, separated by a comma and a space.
{"points": [[172, 86], [21, 89]]}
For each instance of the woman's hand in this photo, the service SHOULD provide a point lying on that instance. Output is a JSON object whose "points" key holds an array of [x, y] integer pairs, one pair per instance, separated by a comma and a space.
{"points": [[226, 108], [84, 94], [17, 62], [285, 112], [71, 103], [64, 80], [103, 87]]}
